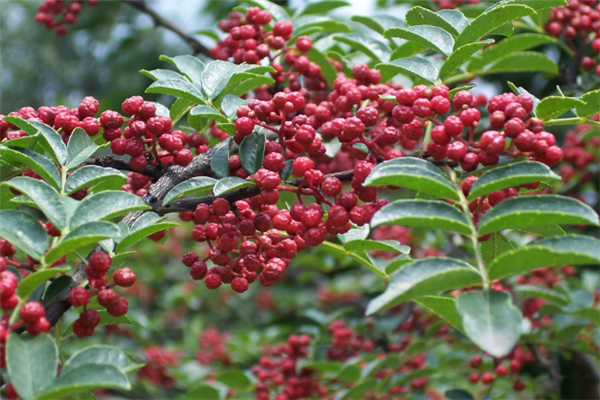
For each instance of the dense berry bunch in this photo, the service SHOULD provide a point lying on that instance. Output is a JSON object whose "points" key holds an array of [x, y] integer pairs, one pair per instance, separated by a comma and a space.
{"points": [[579, 21], [247, 41], [278, 372], [158, 360], [345, 343], [581, 152], [213, 348], [488, 372], [56, 14], [145, 131], [96, 270]]}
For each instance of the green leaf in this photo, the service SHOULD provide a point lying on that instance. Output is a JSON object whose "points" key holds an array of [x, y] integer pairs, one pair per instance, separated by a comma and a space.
{"points": [[143, 227], [544, 230], [490, 320], [490, 20], [424, 213], [429, 36], [535, 4], [322, 7], [522, 61], [24, 232], [590, 313], [494, 246], [327, 69], [372, 48], [44, 196], [31, 364], [162, 74], [509, 175], [252, 151], [424, 277], [444, 307], [509, 45], [458, 89], [543, 293], [54, 144], [208, 112], [518, 212], [180, 108], [369, 245], [229, 184], [188, 65], [379, 22], [452, 21], [278, 12], [562, 250], [350, 373], [219, 163], [320, 21], [79, 149], [93, 376], [359, 390], [192, 187], [555, 106], [203, 392], [412, 67], [236, 380], [84, 235], [216, 76], [57, 287], [230, 104], [412, 173], [38, 163], [90, 175], [99, 354], [458, 394], [183, 89], [228, 127], [105, 205], [35, 279], [460, 56], [249, 83], [591, 106]]}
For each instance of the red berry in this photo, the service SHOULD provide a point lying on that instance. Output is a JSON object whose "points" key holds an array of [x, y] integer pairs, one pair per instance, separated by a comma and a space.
{"points": [[487, 378], [304, 43], [474, 377], [124, 277], [239, 285], [518, 386], [476, 361], [89, 319], [107, 297], [41, 325], [118, 308], [212, 281], [32, 311], [100, 262], [78, 296], [198, 270], [501, 370]]}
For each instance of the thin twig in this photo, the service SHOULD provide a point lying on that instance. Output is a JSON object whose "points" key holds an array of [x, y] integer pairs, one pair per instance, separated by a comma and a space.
{"points": [[141, 5]]}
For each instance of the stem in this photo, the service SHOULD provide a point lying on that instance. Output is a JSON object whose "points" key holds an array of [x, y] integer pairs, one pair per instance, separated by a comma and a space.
{"points": [[427, 137], [459, 78], [464, 204], [63, 180], [59, 343], [339, 249], [572, 121]]}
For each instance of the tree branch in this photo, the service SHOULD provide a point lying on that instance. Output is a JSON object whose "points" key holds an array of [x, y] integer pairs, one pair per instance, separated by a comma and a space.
{"points": [[141, 5], [550, 367], [111, 162]]}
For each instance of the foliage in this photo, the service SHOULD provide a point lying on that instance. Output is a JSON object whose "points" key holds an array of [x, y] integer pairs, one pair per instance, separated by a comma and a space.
{"points": [[325, 169]]}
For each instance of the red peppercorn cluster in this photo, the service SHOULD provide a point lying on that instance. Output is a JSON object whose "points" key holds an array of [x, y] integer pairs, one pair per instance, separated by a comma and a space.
{"points": [[213, 347], [278, 372], [56, 14], [96, 269], [249, 42], [580, 20], [579, 154], [345, 342], [145, 131], [61, 118], [155, 370], [137, 184], [515, 362]]}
